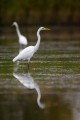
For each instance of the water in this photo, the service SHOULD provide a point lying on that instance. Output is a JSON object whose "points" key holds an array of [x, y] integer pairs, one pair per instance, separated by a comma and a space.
{"points": [[50, 90]]}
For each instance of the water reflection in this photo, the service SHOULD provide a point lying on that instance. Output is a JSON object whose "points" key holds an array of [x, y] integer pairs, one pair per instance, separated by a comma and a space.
{"points": [[28, 81]]}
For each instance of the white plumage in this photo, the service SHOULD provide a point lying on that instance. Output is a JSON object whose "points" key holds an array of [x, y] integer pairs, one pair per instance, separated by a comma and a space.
{"points": [[22, 39], [28, 81], [27, 53]]}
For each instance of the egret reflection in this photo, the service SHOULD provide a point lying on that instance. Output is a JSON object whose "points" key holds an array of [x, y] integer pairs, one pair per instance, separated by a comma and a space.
{"points": [[28, 81]]}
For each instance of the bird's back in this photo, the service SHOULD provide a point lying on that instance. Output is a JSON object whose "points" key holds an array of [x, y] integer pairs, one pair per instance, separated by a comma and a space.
{"points": [[23, 40], [25, 54]]}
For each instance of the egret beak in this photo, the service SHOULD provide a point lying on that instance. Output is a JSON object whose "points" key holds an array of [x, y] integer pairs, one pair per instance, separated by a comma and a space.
{"points": [[46, 29]]}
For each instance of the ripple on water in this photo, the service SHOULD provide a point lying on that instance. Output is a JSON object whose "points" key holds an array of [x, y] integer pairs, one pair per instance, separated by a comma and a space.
{"points": [[55, 65]]}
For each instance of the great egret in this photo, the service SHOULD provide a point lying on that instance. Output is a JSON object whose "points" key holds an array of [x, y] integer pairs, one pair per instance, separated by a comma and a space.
{"points": [[28, 81], [22, 39], [27, 53]]}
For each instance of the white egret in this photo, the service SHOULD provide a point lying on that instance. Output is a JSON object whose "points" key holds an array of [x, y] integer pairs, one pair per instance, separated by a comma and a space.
{"points": [[28, 52], [28, 81], [22, 39]]}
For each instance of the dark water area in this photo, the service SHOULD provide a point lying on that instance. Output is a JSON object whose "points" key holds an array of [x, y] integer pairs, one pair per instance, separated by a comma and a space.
{"points": [[50, 89]]}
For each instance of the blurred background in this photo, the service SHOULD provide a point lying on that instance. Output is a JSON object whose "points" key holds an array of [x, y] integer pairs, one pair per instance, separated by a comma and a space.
{"points": [[63, 17], [33, 12], [50, 90]]}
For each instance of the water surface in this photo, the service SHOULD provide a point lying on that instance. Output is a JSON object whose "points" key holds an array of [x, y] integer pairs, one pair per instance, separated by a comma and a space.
{"points": [[49, 90]]}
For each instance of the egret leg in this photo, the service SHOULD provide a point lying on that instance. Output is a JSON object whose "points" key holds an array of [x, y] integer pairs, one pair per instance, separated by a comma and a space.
{"points": [[20, 46], [28, 64]]}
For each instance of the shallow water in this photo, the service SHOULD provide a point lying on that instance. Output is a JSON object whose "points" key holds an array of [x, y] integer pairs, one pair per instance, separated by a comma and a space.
{"points": [[49, 90]]}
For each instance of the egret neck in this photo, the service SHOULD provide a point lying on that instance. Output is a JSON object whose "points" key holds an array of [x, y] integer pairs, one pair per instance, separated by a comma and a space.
{"points": [[17, 29], [38, 41]]}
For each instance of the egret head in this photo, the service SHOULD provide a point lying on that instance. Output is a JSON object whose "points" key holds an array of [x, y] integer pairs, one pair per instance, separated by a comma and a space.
{"points": [[43, 28], [14, 24], [40, 29]]}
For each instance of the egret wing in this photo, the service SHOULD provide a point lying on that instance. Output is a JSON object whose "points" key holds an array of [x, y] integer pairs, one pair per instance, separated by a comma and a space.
{"points": [[26, 53]]}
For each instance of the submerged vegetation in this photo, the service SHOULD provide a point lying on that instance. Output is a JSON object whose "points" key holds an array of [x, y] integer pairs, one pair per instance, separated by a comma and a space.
{"points": [[40, 11]]}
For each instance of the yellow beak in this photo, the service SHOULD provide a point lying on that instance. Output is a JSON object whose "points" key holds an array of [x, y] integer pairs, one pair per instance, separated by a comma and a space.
{"points": [[46, 29]]}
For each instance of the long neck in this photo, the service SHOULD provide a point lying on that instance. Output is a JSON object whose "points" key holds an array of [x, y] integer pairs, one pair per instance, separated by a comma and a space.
{"points": [[38, 41], [17, 29], [41, 105]]}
